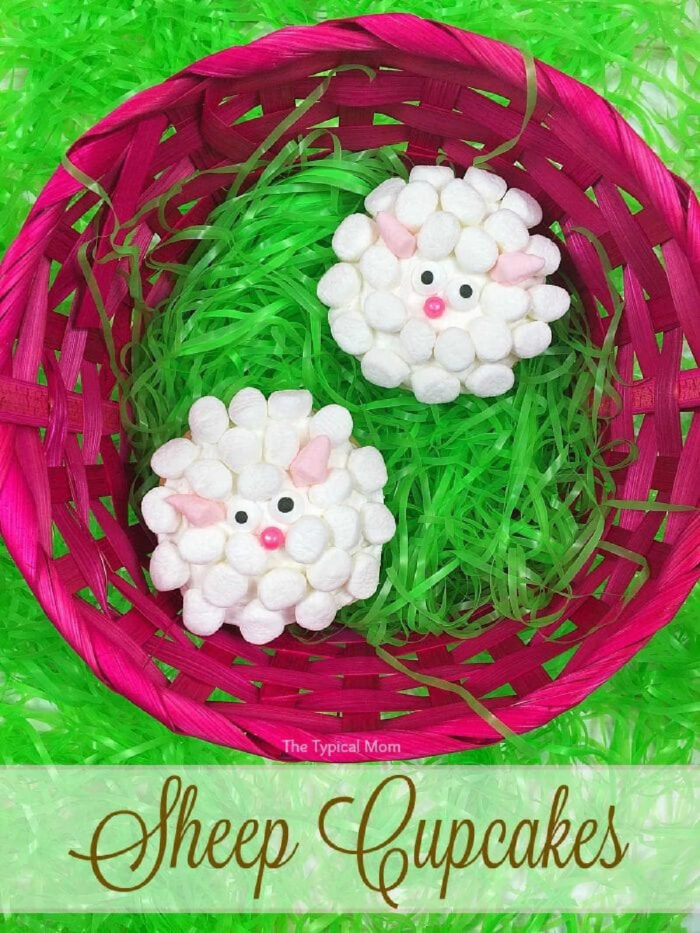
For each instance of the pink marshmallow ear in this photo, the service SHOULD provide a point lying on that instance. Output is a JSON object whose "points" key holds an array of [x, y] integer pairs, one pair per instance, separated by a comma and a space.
{"points": [[310, 466], [396, 237], [514, 268], [197, 510]]}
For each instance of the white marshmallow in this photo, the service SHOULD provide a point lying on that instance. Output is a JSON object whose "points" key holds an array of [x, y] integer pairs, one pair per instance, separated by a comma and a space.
{"points": [[316, 612], [344, 523], [417, 340], [491, 187], [199, 616], [367, 469], [384, 368], [492, 339], [476, 251], [524, 205], [160, 517], [331, 571], [454, 349], [339, 286], [342, 598], [543, 247], [260, 625], [248, 408], [549, 302], [378, 523], [334, 489], [281, 588], [385, 311], [531, 338], [508, 230], [245, 554], [210, 479], [202, 545], [259, 481], [433, 385], [281, 443], [239, 447], [354, 235], [351, 333], [379, 266], [334, 421], [364, 578], [208, 419], [289, 404], [223, 586], [464, 202], [168, 570], [438, 236], [489, 380], [507, 302], [307, 539], [436, 175], [172, 459], [384, 196], [414, 203]]}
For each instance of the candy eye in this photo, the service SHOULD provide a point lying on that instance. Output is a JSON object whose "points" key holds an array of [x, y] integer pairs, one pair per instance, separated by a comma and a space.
{"points": [[243, 515], [427, 278], [463, 294], [287, 507]]}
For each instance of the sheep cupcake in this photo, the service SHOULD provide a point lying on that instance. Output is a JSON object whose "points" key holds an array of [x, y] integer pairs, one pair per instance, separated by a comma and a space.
{"points": [[440, 286], [267, 514]]}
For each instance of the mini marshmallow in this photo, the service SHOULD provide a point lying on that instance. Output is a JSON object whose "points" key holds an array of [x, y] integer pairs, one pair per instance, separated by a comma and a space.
{"points": [[351, 333], [549, 302], [364, 578], [172, 459], [281, 588], [331, 571], [260, 625], [454, 349], [245, 554], [464, 202], [378, 524], [492, 338], [436, 175], [354, 235], [335, 489], [248, 408], [547, 250], [160, 517], [489, 380], [433, 385], [417, 340], [415, 203], [491, 187], [367, 469], [385, 311], [316, 612], [259, 481], [223, 586], [344, 523], [307, 539], [476, 251], [524, 205], [384, 196], [508, 230], [281, 443], [334, 421], [208, 419], [384, 368], [199, 615], [239, 447], [169, 571], [531, 338], [438, 236], [210, 478], [378, 266], [339, 285], [201, 545], [289, 404], [507, 302]]}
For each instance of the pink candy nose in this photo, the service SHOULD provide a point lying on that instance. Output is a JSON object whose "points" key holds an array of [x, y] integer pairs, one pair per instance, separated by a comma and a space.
{"points": [[272, 538], [434, 306]]}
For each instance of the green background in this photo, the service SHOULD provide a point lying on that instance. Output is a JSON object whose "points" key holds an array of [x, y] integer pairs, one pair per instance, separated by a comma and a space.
{"points": [[63, 65]]}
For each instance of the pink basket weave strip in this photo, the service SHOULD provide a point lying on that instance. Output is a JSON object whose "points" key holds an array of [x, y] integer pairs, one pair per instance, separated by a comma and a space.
{"points": [[64, 458]]}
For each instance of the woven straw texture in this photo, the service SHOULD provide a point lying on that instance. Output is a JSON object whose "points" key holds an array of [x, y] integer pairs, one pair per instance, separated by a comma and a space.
{"points": [[64, 458]]}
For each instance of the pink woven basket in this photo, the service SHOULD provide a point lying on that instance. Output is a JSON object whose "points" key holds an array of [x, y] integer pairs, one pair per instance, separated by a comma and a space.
{"points": [[64, 458]]}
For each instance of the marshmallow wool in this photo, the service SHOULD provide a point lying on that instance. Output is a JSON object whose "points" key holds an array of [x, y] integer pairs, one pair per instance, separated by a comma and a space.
{"points": [[268, 514], [443, 288]]}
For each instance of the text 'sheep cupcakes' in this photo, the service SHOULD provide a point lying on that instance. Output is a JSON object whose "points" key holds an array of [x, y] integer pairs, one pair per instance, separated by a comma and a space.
{"points": [[267, 514], [443, 288]]}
